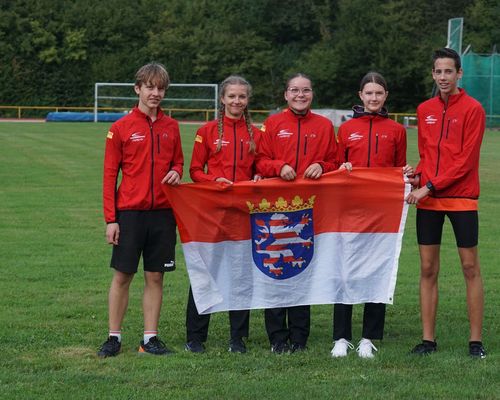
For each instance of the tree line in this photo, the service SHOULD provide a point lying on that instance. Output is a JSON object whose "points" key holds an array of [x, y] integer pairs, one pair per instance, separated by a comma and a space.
{"points": [[53, 51]]}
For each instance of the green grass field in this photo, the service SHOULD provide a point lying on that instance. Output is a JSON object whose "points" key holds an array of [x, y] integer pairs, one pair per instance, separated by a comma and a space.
{"points": [[55, 277]]}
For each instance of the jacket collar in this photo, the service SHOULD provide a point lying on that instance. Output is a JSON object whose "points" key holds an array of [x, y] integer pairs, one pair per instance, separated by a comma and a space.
{"points": [[160, 114], [454, 98], [231, 121], [359, 111], [296, 116]]}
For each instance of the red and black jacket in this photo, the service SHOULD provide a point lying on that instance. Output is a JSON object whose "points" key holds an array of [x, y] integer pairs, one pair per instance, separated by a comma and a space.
{"points": [[296, 140], [449, 143], [372, 140], [233, 161], [144, 151]]}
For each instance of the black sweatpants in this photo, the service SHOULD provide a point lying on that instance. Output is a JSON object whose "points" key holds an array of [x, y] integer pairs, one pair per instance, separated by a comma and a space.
{"points": [[373, 321], [197, 324], [297, 330]]}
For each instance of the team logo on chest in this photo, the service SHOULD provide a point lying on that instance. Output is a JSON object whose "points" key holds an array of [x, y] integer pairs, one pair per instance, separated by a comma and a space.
{"points": [[223, 142], [137, 137], [430, 120], [282, 236], [355, 136], [284, 133]]}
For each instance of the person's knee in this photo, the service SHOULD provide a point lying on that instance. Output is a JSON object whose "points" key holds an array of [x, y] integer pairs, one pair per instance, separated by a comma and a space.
{"points": [[122, 279], [471, 269], [429, 270], [154, 278]]}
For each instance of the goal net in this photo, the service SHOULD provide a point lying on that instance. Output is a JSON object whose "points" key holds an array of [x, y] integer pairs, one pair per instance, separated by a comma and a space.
{"points": [[195, 101]]}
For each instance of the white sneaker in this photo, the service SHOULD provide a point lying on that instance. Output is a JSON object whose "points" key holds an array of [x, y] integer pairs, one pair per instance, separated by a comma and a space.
{"points": [[365, 348], [340, 348]]}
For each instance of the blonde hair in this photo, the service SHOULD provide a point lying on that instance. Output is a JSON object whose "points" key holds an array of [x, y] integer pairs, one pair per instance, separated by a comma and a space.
{"points": [[234, 80], [154, 73]]}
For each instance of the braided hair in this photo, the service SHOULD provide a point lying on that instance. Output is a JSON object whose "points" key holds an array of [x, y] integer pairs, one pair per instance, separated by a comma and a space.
{"points": [[234, 80]]}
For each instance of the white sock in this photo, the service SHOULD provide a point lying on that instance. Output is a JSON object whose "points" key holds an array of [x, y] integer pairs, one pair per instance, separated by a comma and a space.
{"points": [[117, 334], [148, 335]]}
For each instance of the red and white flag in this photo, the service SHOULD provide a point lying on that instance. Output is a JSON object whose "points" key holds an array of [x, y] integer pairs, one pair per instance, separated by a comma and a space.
{"points": [[278, 244]]}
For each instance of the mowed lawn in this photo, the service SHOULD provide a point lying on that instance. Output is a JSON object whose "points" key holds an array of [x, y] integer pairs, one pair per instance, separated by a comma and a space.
{"points": [[54, 279]]}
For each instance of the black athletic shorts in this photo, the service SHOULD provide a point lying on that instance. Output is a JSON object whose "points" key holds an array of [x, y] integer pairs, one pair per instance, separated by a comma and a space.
{"points": [[430, 227], [150, 233]]}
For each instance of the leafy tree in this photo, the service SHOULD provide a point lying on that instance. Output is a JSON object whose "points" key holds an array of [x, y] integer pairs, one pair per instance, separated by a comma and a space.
{"points": [[481, 26]]}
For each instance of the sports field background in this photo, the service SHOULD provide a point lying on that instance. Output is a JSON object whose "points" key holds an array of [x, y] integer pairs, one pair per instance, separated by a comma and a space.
{"points": [[54, 278]]}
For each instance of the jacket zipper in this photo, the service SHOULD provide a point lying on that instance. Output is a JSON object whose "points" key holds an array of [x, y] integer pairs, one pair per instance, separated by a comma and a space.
{"points": [[376, 143], [234, 152], [447, 129], [439, 142], [152, 162], [305, 145], [241, 149], [298, 146], [369, 143], [158, 140]]}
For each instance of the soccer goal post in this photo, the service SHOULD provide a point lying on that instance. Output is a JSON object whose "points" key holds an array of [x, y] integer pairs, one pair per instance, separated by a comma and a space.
{"points": [[189, 96]]}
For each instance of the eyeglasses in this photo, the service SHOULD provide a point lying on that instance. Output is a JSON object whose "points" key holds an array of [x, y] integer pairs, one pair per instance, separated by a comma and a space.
{"points": [[295, 91]]}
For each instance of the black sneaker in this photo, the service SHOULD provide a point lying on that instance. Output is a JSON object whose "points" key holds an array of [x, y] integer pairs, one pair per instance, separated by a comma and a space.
{"points": [[476, 350], [155, 346], [280, 347], [110, 347], [194, 347], [297, 347], [425, 348], [237, 345]]}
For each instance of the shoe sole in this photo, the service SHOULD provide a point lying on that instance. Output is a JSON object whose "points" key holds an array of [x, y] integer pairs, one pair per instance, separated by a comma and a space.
{"points": [[142, 352]]}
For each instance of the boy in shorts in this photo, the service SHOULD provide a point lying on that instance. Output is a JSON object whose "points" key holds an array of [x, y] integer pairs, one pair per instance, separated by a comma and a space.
{"points": [[145, 146], [450, 131]]}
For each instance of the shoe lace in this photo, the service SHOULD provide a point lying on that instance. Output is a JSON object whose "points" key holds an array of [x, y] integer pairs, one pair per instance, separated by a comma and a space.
{"points": [[365, 346], [155, 342], [344, 342], [110, 344]]}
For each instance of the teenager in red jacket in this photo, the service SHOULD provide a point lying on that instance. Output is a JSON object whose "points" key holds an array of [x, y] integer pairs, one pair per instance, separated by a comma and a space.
{"points": [[370, 139], [294, 143], [224, 151], [145, 147], [450, 131]]}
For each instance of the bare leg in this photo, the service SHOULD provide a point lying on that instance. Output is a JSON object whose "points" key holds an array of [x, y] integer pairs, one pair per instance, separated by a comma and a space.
{"points": [[429, 271], [118, 299], [152, 299], [469, 258]]}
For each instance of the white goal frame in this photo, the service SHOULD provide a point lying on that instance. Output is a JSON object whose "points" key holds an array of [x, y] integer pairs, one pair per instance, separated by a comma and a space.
{"points": [[101, 84]]}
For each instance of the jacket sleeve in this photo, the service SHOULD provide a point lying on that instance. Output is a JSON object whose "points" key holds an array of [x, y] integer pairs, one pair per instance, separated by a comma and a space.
{"points": [[112, 165], [177, 163], [267, 165], [469, 157], [199, 158], [400, 156], [341, 147], [331, 159], [421, 145]]}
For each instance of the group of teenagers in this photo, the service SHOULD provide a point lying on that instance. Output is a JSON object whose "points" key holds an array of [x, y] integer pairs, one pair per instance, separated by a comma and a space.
{"points": [[145, 148]]}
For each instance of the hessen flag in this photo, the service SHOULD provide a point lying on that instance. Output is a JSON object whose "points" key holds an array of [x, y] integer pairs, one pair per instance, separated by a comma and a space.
{"points": [[274, 243]]}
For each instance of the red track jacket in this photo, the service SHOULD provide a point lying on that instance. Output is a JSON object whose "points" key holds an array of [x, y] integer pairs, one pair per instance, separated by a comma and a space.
{"points": [[449, 142], [372, 140], [296, 140], [233, 161], [144, 151]]}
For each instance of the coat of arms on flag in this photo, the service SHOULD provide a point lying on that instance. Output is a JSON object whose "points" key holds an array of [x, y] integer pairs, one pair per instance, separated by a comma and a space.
{"points": [[282, 236]]}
